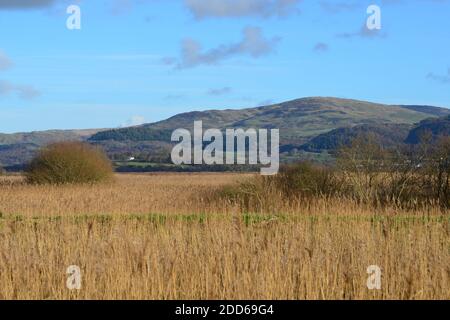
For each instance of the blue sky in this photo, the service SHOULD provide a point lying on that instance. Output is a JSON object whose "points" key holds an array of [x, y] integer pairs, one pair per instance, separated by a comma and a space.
{"points": [[137, 61]]}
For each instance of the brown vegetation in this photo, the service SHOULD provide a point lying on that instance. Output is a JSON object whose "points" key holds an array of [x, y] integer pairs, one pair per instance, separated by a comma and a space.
{"points": [[310, 232], [69, 162], [366, 173], [162, 237]]}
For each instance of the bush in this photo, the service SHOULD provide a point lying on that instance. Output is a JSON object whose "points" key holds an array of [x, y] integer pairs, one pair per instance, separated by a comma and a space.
{"points": [[407, 177], [302, 181], [69, 162], [253, 194], [361, 163], [305, 179], [436, 172]]}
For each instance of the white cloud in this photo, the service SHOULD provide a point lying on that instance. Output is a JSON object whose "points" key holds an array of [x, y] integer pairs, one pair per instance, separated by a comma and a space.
{"points": [[25, 92], [363, 32], [134, 121], [253, 44], [321, 47], [219, 91], [25, 4], [5, 61], [240, 8], [442, 78]]}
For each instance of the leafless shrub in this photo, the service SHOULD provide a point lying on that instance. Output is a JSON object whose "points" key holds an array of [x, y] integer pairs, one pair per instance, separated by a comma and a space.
{"points": [[68, 163]]}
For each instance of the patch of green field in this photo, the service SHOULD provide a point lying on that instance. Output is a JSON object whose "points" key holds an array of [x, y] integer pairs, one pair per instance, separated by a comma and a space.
{"points": [[248, 219]]}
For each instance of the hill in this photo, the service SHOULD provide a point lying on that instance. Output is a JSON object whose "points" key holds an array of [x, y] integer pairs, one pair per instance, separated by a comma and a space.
{"points": [[307, 124], [40, 138], [18, 148], [298, 120], [388, 135], [433, 127]]}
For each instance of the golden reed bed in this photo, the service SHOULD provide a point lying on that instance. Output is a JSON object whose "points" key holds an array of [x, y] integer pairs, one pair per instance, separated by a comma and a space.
{"points": [[160, 237]]}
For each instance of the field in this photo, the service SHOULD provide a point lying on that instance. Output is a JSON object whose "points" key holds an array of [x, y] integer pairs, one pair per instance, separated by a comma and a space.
{"points": [[162, 236]]}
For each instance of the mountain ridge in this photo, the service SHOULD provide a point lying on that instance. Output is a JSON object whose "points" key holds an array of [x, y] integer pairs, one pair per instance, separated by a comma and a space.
{"points": [[299, 120], [46, 136]]}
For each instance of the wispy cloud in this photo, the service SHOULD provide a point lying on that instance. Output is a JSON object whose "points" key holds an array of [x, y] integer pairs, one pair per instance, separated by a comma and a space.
{"points": [[264, 103], [25, 92], [35, 4], [121, 6], [321, 47], [5, 61], [175, 96], [338, 7], [363, 32], [219, 91], [241, 8], [334, 7], [445, 78], [25, 4], [134, 121], [253, 44]]}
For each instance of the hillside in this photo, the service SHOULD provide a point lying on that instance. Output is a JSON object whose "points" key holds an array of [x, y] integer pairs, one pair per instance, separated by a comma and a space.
{"points": [[18, 148], [298, 120], [433, 127], [388, 135], [306, 124], [40, 138]]}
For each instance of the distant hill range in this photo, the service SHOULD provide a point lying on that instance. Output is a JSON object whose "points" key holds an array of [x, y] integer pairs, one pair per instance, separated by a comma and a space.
{"points": [[18, 148], [46, 137], [434, 127], [308, 124], [387, 134]]}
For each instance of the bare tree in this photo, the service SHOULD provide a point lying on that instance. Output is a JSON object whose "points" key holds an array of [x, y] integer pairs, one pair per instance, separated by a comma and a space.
{"points": [[361, 163]]}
